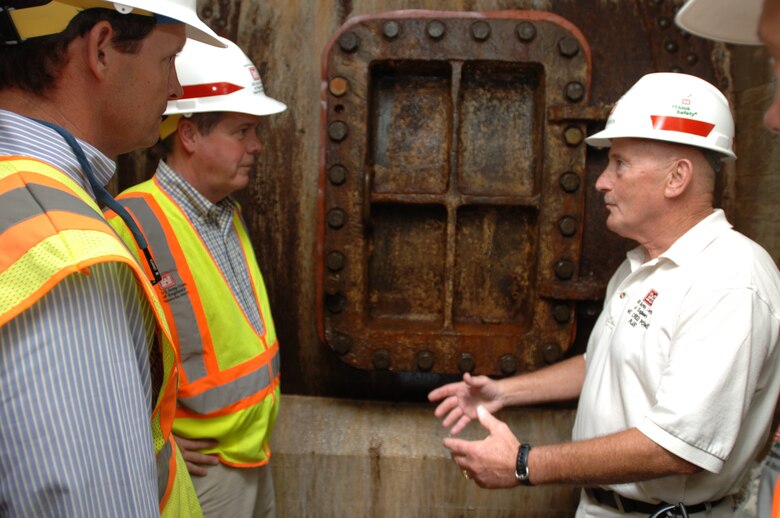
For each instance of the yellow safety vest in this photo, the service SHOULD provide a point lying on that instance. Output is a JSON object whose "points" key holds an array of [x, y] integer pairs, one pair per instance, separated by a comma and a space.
{"points": [[229, 388], [57, 231]]}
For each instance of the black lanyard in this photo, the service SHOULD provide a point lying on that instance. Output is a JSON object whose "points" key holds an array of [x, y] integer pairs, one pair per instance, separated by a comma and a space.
{"points": [[104, 197]]}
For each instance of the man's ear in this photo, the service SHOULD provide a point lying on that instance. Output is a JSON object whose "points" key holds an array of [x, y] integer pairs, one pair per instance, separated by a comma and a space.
{"points": [[98, 49], [187, 133], [679, 178]]}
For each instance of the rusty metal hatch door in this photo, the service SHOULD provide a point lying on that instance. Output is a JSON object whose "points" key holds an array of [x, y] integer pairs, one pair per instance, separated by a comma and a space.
{"points": [[451, 200]]}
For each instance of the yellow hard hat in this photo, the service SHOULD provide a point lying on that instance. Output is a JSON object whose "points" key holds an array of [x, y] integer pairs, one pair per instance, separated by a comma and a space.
{"points": [[24, 19]]}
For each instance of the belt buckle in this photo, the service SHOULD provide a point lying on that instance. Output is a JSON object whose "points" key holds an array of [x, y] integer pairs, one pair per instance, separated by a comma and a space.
{"points": [[670, 511], [618, 502]]}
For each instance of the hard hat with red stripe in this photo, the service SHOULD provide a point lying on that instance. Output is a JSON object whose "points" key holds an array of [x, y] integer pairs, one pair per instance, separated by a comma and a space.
{"points": [[672, 107], [732, 21], [24, 19], [217, 80]]}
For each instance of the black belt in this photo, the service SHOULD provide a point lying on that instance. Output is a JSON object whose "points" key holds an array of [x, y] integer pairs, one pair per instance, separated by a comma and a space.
{"points": [[629, 505]]}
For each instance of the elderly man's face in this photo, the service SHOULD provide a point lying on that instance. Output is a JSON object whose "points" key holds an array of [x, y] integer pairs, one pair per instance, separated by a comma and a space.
{"points": [[769, 30], [633, 187]]}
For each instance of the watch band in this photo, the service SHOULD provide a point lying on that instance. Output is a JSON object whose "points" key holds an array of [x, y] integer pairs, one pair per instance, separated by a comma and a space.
{"points": [[521, 465]]}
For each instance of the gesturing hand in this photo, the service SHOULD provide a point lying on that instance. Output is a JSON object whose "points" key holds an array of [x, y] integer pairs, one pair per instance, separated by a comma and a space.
{"points": [[459, 400], [491, 461]]}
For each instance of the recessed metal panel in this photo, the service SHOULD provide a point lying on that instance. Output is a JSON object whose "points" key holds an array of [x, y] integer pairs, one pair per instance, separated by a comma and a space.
{"points": [[451, 207]]}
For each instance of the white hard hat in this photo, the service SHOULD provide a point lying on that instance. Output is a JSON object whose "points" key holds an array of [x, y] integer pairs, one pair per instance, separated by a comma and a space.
{"points": [[33, 18], [218, 80], [732, 21], [671, 107]]}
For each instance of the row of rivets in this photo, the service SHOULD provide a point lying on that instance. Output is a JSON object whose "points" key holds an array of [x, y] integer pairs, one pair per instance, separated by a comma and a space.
{"points": [[381, 359], [568, 46]]}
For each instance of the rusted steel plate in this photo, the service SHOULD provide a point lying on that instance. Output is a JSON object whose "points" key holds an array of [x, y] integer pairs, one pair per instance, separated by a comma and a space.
{"points": [[451, 189]]}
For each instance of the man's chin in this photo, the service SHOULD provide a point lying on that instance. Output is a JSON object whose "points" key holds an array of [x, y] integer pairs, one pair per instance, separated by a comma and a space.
{"points": [[151, 139]]}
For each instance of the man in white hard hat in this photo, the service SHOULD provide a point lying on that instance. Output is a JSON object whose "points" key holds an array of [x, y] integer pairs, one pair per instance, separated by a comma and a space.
{"points": [[211, 284], [87, 370], [678, 385], [746, 22]]}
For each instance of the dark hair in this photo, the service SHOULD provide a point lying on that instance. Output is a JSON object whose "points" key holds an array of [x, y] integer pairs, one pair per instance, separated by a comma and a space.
{"points": [[204, 121], [35, 65]]}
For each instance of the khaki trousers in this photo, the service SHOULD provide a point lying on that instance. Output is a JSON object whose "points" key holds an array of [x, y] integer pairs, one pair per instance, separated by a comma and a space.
{"points": [[236, 492]]}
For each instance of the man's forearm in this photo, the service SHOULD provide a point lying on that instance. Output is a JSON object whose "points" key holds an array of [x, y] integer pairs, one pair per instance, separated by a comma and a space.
{"points": [[559, 382], [627, 456]]}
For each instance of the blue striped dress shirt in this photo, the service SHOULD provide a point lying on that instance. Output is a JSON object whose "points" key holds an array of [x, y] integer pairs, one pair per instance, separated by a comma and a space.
{"points": [[75, 384]]}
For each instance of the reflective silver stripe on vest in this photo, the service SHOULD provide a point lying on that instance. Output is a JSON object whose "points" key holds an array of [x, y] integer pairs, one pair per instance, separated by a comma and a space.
{"points": [[163, 469], [24, 203], [219, 397], [190, 341]]}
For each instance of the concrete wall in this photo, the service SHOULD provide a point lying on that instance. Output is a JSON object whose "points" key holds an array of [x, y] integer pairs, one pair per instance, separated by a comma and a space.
{"points": [[337, 458]]}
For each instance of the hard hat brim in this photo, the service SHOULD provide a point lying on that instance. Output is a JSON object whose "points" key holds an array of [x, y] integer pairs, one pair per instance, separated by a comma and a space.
{"points": [[729, 21], [196, 28], [258, 105]]}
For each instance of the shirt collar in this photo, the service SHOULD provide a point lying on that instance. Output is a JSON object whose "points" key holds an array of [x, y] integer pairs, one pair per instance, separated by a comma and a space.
{"points": [[690, 244], [178, 187], [22, 136]]}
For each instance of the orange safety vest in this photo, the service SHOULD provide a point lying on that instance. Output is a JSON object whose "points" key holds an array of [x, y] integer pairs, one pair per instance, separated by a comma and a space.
{"points": [[776, 500], [229, 372], [58, 231]]}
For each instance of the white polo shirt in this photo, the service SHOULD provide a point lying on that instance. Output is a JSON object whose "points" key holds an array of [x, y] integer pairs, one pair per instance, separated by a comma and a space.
{"points": [[686, 350]]}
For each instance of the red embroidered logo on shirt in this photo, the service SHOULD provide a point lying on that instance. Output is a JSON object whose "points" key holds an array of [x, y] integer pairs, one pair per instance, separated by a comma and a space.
{"points": [[167, 281], [650, 297]]}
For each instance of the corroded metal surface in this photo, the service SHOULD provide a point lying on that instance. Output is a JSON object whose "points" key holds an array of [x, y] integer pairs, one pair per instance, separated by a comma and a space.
{"points": [[452, 190]]}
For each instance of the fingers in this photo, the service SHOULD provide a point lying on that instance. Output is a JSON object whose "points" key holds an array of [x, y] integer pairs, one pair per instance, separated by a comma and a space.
{"points": [[460, 425], [195, 444], [199, 458], [486, 419], [197, 462], [454, 415], [445, 406], [457, 447], [195, 470], [443, 392]]}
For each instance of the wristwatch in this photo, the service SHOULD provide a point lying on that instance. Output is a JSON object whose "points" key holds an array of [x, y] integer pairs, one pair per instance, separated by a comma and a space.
{"points": [[521, 465]]}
